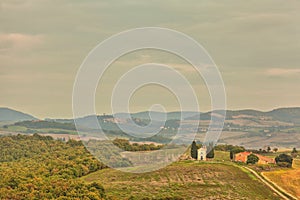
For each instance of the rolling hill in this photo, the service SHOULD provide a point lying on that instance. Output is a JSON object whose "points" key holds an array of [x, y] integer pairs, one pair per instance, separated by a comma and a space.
{"points": [[37, 167], [9, 115], [250, 128], [281, 114], [183, 180], [288, 115]]}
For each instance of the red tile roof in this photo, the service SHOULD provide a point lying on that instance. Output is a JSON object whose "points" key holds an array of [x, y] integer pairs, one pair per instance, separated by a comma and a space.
{"points": [[242, 157]]}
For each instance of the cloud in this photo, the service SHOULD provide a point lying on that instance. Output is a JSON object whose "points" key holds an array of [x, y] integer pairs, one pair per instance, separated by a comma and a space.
{"points": [[248, 40], [282, 72], [18, 41]]}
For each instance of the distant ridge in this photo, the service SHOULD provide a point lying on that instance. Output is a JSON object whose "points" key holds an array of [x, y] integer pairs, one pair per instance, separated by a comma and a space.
{"points": [[10, 115], [289, 114], [159, 115], [282, 114]]}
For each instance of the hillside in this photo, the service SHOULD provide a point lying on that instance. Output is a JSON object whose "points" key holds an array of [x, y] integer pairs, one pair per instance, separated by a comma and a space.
{"points": [[277, 117], [291, 115], [288, 179], [182, 180], [9, 115], [36, 167], [286, 114], [158, 115], [250, 128]]}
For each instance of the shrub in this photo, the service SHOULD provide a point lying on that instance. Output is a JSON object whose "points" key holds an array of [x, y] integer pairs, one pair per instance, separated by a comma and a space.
{"points": [[252, 159], [211, 151], [284, 160]]}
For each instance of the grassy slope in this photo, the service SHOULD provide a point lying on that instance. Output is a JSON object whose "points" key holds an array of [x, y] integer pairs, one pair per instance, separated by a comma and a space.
{"points": [[13, 128], [186, 179], [288, 179]]}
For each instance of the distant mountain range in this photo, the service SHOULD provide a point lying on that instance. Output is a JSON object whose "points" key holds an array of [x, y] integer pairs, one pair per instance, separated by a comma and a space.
{"points": [[250, 128], [9, 115], [288, 115], [158, 116]]}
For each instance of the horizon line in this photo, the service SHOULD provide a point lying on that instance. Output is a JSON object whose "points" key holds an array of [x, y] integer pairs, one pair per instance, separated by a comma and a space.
{"points": [[110, 114]]}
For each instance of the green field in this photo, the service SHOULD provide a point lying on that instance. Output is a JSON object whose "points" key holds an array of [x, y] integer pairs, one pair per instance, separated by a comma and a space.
{"points": [[22, 129], [222, 156], [183, 180]]}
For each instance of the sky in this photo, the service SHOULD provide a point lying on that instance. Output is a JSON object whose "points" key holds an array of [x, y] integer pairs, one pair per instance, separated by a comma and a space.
{"points": [[255, 44]]}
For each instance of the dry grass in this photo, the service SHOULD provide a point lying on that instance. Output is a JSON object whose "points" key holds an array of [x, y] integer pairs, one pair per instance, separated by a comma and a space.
{"points": [[187, 180], [288, 179]]}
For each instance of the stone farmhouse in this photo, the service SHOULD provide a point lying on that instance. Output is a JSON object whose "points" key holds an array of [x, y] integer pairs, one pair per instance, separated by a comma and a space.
{"points": [[242, 157]]}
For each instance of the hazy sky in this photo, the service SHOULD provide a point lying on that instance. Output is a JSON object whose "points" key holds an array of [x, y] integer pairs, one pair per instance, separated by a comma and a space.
{"points": [[255, 44]]}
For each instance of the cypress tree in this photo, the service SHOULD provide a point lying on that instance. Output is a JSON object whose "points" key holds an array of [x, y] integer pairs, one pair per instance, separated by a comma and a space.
{"points": [[194, 150], [211, 150]]}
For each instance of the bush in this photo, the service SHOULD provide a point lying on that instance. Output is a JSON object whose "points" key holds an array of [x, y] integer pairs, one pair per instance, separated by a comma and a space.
{"points": [[284, 160], [211, 151], [265, 167], [284, 164], [252, 159]]}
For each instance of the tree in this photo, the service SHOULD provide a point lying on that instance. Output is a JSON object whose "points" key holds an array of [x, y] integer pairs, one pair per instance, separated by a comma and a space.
{"points": [[211, 151], [284, 160], [275, 149], [268, 149], [231, 155], [294, 152], [252, 159], [236, 150], [194, 150]]}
